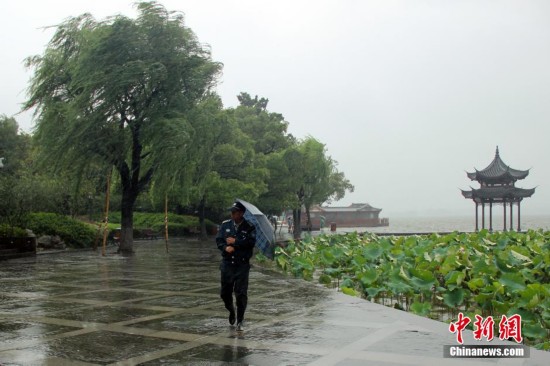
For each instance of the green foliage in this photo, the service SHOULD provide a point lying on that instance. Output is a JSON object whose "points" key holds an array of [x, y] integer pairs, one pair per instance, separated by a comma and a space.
{"points": [[14, 146], [73, 232], [313, 177], [135, 95], [9, 231], [16, 183], [268, 130], [280, 189], [14, 205], [178, 225], [421, 308], [117, 92], [483, 273], [221, 163]]}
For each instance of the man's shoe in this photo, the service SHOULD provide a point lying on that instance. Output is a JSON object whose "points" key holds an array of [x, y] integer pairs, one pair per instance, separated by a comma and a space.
{"points": [[232, 317], [240, 326]]}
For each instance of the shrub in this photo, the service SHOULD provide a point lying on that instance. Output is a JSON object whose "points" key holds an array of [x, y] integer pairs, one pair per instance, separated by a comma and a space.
{"points": [[9, 231], [74, 233], [178, 225], [173, 229]]}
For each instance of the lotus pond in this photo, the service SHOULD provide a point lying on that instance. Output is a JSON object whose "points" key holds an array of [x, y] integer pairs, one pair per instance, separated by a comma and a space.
{"points": [[502, 273]]}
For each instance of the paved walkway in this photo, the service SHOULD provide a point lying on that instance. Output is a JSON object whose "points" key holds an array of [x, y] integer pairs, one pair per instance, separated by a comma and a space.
{"points": [[163, 309]]}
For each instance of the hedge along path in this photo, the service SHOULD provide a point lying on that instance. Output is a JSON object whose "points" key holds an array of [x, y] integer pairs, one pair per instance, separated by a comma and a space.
{"points": [[496, 274]]}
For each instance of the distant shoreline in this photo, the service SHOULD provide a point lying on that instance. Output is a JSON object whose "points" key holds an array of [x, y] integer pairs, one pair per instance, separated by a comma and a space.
{"points": [[451, 224]]}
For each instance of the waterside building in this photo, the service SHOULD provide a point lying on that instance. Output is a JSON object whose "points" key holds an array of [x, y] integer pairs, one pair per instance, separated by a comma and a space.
{"points": [[355, 215]]}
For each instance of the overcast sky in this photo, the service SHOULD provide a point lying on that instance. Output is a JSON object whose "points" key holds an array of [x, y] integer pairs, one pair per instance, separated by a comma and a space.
{"points": [[406, 95]]}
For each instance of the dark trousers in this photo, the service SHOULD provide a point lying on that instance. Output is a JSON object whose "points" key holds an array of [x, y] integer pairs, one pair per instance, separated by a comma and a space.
{"points": [[234, 278]]}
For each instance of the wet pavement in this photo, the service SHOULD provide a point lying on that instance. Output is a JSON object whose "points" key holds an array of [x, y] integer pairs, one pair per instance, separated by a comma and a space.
{"points": [[158, 308]]}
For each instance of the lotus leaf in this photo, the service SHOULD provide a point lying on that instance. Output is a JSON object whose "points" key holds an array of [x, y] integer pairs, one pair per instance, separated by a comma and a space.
{"points": [[325, 279], [372, 251], [476, 283], [421, 308], [513, 281], [492, 273], [374, 291], [534, 330], [454, 298], [349, 291], [368, 277]]}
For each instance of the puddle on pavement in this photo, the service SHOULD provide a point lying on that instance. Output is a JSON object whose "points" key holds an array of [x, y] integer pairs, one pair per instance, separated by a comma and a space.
{"points": [[102, 347], [231, 355], [106, 314], [37, 307], [178, 286], [188, 323], [314, 333], [268, 307], [11, 332], [188, 301], [190, 266], [109, 295]]}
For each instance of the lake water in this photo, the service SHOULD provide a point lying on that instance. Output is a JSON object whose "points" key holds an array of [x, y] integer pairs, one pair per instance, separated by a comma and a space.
{"points": [[446, 224]]}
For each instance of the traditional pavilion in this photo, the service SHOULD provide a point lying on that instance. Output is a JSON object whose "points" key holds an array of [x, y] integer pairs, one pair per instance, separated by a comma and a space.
{"points": [[497, 187]]}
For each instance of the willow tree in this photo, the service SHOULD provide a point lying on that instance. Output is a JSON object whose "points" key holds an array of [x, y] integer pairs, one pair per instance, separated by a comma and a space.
{"points": [[315, 178], [224, 162], [117, 91]]}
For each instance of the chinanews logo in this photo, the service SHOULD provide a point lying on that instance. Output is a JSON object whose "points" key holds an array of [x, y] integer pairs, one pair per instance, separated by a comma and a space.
{"points": [[509, 328]]}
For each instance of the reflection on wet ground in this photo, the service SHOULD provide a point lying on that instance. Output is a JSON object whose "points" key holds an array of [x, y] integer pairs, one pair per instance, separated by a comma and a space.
{"points": [[158, 308]]}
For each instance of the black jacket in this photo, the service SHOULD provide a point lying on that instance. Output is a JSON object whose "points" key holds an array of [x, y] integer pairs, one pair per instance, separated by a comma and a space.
{"points": [[245, 235]]}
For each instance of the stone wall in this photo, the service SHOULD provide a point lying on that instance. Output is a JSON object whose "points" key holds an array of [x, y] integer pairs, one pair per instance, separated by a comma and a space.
{"points": [[17, 247]]}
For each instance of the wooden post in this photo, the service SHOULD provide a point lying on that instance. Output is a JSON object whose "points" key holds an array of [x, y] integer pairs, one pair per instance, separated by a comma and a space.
{"points": [[483, 215], [477, 227], [504, 223], [511, 216], [519, 216], [98, 234], [491, 216], [166, 220], [106, 217]]}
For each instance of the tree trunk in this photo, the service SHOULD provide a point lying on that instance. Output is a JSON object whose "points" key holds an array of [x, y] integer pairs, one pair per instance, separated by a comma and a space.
{"points": [[132, 185], [308, 217], [297, 217], [297, 213], [202, 220], [129, 196]]}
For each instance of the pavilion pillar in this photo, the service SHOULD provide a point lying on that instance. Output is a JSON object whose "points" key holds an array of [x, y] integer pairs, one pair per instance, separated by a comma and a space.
{"points": [[483, 215], [511, 216], [519, 216], [477, 227], [504, 221], [491, 216]]}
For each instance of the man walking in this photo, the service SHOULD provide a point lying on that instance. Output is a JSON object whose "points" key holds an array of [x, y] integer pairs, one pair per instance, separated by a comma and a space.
{"points": [[236, 239]]}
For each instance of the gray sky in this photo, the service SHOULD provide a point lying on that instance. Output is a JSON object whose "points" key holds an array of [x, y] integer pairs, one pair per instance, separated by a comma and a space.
{"points": [[407, 95]]}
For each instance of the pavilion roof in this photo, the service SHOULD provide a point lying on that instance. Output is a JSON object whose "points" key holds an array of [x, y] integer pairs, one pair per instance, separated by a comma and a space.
{"points": [[499, 192], [498, 172]]}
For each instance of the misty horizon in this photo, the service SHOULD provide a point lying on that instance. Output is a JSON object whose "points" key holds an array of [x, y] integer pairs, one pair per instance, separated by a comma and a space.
{"points": [[407, 96]]}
